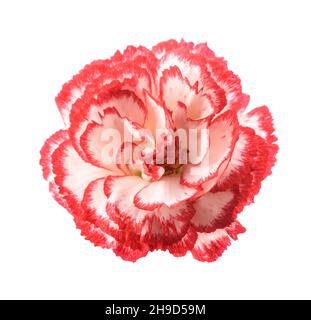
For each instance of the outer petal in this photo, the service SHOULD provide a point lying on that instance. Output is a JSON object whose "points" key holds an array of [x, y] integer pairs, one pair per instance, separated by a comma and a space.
{"points": [[210, 246], [158, 228], [241, 161], [72, 174], [96, 235], [253, 157], [94, 208], [169, 225], [75, 88], [120, 207], [50, 145], [180, 248], [214, 210], [261, 121], [191, 66], [129, 74], [144, 58], [97, 226], [165, 47], [260, 168], [64, 195], [131, 253], [224, 78]]}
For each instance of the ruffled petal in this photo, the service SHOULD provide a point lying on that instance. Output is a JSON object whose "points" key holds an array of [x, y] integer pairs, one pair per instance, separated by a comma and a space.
{"points": [[193, 69], [187, 242], [168, 226], [75, 88], [165, 47], [131, 253], [167, 190], [96, 235], [94, 209], [261, 121], [72, 174], [250, 164], [89, 110], [224, 78], [214, 210], [101, 141], [120, 207], [223, 134], [241, 160], [210, 246], [174, 89], [50, 145], [144, 58], [191, 66], [57, 152]]}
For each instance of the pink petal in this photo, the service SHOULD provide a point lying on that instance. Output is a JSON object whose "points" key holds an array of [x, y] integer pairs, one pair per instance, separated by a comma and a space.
{"points": [[72, 174], [261, 121], [144, 58], [191, 66], [174, 89], [259, 169], [180, 248], [210, 246], [50, 145], [122, 240], [251, 162], [179, 116], [156, 117], [168, 226], [223, 134], [75, 88], [65, 193], [95, 142], [167, 190], [214, 210], [193, 69], [89, 110], [96, 235], [131, 253], [241, 160], [224, 78], [120, 207], [165, 47], [94, 208], [131, 76], [192, 129]]}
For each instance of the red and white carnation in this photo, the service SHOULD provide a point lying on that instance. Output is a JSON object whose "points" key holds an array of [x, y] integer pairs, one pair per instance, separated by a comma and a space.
{"points": [[136, 203]]}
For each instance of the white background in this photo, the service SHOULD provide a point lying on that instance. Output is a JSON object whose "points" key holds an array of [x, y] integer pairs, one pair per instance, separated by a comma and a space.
{"points": [[43, 43]]}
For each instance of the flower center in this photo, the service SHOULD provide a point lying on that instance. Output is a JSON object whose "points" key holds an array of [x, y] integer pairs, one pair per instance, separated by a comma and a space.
{"points": [[170, 169]]}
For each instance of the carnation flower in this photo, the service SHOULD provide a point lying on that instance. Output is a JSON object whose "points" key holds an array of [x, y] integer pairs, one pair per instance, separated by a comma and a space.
{"points": [[158, 151]]}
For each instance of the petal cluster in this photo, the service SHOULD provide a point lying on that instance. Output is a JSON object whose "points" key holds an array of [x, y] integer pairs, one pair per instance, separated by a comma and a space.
{"points": [[141, 205]]}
